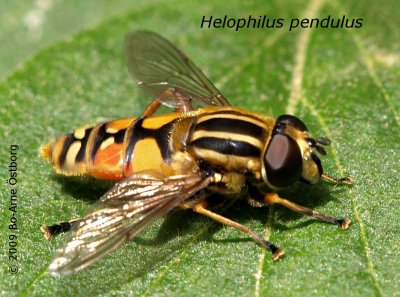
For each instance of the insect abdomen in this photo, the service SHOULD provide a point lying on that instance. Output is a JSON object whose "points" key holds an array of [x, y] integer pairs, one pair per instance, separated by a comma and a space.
{"points": [[91, 150], [115, 149]]}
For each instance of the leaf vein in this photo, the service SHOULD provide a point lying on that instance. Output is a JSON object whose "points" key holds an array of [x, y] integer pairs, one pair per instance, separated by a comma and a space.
{"points": [[363, 235], [372, 73], [261, 258], [362, 48], [268, 42], [294, 98], [300, 58], [26, 290]]}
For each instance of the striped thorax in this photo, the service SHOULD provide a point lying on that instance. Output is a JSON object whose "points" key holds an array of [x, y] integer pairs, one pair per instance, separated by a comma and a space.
{"points": [[231, 139]]}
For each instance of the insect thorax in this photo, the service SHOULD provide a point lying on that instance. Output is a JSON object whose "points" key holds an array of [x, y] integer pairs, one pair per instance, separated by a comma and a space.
{"points": [[230, 139]]}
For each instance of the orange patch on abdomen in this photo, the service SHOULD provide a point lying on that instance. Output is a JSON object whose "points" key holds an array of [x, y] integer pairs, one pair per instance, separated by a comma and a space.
{"points": [[108, 163]]}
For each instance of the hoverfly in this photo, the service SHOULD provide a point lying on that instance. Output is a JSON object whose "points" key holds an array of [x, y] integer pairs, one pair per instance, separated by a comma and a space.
{"points": [[166, 161]]}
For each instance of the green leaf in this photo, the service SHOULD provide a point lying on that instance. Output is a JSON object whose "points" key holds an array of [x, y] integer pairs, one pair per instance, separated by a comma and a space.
{"points": [[27, 26], [342, 83]]}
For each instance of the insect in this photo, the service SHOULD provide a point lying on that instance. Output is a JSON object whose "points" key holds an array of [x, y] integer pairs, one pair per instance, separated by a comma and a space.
{"points": [[167, 161]]}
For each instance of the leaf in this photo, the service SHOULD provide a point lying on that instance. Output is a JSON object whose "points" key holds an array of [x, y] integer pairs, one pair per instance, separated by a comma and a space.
{"points": [[342, 83], [28, 26]]}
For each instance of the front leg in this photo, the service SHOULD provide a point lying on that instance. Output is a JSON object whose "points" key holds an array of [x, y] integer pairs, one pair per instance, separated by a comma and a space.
{"points": [[273, 198]]}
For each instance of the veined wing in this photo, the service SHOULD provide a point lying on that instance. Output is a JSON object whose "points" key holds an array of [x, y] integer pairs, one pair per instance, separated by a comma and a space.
{"points": [[121, 214], [166, 73]]}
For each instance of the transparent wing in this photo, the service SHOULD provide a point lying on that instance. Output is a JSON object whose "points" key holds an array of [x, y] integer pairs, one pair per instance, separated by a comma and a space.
{"points": [[166, 73], [121, 214]]}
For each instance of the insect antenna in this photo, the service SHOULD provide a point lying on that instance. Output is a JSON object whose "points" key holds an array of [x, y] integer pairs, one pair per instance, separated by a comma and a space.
{"points": [[318, 143], [323, 141]]}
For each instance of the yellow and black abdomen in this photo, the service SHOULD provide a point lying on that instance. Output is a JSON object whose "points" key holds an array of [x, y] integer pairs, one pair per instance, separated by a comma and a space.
{"points": [[91, 150], [230, 139], [115, 149]]}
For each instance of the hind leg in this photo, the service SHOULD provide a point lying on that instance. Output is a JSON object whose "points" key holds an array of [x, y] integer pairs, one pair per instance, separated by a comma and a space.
{"points": [[62, 227], [182, 102]]}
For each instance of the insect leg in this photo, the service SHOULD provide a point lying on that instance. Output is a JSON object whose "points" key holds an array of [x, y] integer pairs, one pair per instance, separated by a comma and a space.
{"points": [[172, 97], [151, 109], [338, 181], [201, 208], [52, 230], [273, 198]]}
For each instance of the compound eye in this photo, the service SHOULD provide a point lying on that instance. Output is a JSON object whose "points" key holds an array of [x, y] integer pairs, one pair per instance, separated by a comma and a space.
{"points": [[288, 119], [283, 161]]}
